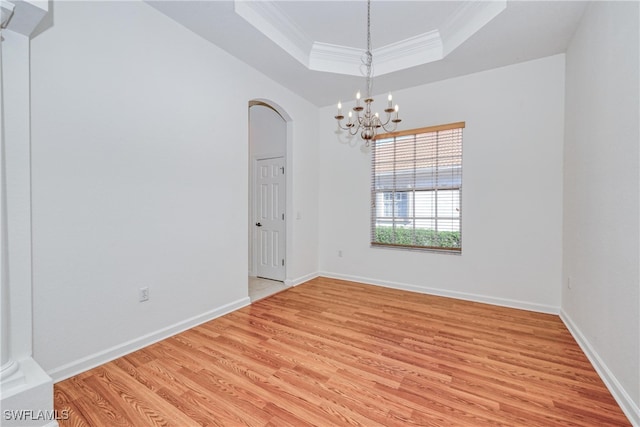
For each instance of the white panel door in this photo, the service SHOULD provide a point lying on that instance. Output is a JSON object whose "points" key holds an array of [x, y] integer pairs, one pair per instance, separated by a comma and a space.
{"points": [[270, 221]]}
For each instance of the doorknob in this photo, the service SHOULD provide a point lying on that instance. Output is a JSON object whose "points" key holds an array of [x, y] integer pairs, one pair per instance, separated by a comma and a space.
{"points": [[258, 224]]}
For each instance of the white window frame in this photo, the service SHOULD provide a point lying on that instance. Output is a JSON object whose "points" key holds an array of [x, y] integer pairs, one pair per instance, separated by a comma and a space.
{"points": [[412, 163]]}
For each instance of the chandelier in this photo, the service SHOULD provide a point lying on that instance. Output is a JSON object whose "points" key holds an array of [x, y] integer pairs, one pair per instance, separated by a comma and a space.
{"points": [[366, 122]]}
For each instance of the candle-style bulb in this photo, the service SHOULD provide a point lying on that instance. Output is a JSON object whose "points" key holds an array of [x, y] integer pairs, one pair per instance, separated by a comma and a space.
{"points": [[358, 95], [389, 97], [339, 105], [396, 108]]}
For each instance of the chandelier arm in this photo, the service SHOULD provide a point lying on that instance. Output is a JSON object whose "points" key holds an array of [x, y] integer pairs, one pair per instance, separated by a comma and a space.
{"points": [[351, 129], [386, 122], [390, 129], [349, 126]]}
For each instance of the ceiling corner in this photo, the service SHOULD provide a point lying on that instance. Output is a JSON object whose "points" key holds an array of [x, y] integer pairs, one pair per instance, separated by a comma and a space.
{"points": [[271, 22], [467, 20]]}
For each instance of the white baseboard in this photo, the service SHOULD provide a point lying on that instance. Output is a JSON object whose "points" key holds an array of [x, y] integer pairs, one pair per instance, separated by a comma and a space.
{"points": [[503, 302], [629, 407], [295, 282], [97, 359]]}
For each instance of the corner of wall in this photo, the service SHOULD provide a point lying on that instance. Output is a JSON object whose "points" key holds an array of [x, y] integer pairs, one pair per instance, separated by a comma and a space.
{"points": [[629, 407]]}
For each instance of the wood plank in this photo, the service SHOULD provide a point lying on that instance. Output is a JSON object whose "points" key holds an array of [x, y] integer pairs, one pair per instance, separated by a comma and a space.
{"points": [[332, 352]]}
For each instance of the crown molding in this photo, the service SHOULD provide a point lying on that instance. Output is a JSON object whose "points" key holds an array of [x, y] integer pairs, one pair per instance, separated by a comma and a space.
{"points": [[468, 20], [396, 56], [267, 18], [335, 59], [423, 48], [417, 50], [23, 16], [6, 12]]}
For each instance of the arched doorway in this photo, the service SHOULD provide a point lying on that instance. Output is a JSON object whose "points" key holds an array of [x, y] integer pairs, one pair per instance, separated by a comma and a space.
{"points": [[268, 130]]}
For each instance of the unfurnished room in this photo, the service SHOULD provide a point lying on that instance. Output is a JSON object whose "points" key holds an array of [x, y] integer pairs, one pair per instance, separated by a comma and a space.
{"points": [[319, 213]]}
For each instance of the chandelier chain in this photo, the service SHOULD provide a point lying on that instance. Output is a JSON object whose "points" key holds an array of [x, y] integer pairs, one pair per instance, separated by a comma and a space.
{"points": [[368, 54], [361, 118]]}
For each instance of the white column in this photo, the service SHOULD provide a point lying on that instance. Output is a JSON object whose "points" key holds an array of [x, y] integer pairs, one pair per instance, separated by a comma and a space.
{"points": [[8, 366], [26, 391]]}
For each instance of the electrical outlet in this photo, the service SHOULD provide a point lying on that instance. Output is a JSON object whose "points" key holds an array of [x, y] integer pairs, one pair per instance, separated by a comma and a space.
{"points": [[143, 294]]}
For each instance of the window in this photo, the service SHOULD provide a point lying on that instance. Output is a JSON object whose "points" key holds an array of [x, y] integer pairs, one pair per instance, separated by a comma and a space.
{"points": [[416, 188], [395, 204]]}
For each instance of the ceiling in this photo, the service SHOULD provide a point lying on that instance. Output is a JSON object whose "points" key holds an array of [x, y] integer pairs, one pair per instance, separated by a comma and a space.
{"points": [[314, 47]]}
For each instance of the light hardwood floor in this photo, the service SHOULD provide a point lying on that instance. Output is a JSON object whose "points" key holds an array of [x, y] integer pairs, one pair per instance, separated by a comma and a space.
{"points": [[336, 353]]}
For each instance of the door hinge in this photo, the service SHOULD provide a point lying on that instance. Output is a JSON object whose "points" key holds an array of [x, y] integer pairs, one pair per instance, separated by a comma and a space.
{"points": [[283, 261], [282, 169], [283, 217]]}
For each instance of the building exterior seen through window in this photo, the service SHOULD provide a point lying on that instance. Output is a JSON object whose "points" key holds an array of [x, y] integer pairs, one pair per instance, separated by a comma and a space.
{"points": [[416, 189]]}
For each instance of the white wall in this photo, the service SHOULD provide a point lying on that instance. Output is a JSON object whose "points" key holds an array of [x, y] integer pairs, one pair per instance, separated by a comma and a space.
{"points": [[140, 178], [602, 188], [267, 133], [512, 190]]}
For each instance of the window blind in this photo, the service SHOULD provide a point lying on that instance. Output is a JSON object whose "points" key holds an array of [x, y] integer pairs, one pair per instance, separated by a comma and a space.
{"points": [[416, 188]]}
